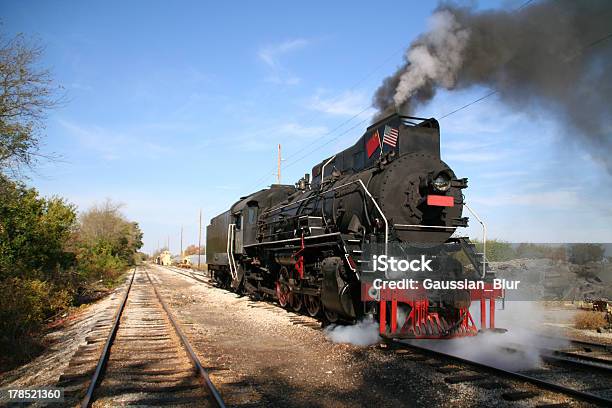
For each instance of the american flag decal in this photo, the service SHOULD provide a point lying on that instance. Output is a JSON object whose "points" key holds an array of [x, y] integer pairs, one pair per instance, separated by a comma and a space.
{"points": [[390, 136]]}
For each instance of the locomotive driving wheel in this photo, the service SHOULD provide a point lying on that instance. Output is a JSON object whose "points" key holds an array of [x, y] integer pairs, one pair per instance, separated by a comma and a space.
{"points": [[283, 292], [331, 316], [295, 299], [313, 305]]}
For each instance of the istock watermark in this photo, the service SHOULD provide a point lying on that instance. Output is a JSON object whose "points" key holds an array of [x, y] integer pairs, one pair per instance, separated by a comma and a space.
{"points": [[437, 284], [384, 263]]}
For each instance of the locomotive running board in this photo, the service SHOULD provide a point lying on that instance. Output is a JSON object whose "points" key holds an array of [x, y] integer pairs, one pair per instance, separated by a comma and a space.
{"points": [[334, 234]]}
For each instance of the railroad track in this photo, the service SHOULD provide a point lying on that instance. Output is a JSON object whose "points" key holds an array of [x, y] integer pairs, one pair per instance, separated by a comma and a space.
{"points": [[296, 319], [581, 372], [198, 276], [145, 358], [593, 357], [581, 380], [584, 350]]}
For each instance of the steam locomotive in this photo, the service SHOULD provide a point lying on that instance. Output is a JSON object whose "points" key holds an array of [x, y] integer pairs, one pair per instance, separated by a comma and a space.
{"points": [[305, 244]]}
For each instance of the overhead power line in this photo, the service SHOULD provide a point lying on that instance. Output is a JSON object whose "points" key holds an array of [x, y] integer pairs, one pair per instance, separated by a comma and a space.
{"points": [[480, 99], [469, 104], [335, 99]]}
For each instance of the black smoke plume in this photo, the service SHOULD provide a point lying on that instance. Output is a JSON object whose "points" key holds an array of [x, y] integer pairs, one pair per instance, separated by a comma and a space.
{"points": [[550, 54]]}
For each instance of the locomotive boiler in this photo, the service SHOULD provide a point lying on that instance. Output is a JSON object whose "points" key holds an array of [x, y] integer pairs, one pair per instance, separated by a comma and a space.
{"points": [[309, 245]]}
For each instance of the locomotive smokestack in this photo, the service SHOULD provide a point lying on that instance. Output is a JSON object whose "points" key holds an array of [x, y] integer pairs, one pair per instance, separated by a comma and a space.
{"points": [[550, 54]]}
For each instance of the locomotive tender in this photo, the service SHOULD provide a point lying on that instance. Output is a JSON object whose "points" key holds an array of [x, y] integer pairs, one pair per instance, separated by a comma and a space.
{"points": [[305, 244]]}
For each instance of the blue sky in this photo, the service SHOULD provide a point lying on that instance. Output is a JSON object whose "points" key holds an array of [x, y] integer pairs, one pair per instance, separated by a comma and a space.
{"points": [[176, 106]]}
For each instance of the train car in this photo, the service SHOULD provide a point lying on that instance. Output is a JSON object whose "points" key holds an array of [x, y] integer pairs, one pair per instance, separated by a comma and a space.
{"points": [[306, 244]]}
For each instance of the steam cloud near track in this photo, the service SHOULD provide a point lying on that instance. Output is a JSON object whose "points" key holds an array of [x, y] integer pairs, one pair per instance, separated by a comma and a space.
{"points": [[523, 319], [363, 333], [551, 54]]}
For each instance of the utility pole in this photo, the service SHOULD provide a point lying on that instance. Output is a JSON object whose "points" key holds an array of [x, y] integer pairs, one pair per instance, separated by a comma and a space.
{"points": [[200, 239], [168, 244], [278, 175], [181, 242]]}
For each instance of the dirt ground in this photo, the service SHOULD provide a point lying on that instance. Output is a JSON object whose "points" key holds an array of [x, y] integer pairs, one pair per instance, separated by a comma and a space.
{"points": [[259, 354]]}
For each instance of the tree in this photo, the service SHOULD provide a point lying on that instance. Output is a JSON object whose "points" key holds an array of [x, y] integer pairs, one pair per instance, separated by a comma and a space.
{"points": [[34, 263], [27, 93], [193, 250], [497, 250], [107, 242], [34, 232], [582, 254]]}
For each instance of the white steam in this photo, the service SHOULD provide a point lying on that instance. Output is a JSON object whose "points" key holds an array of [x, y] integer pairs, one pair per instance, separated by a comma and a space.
{"points": [[363, 333], [436, 58], [518, 349]]}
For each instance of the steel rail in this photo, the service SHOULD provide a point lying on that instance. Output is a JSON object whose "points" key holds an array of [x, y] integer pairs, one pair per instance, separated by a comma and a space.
{"points": [[578, 360], [194, 358], [581, 343], [200, 278], [582, 395], [553, 356], [86, 401]]}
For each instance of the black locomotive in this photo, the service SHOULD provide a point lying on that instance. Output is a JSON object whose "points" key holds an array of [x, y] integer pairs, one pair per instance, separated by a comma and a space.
{"points": [[304, 244]]}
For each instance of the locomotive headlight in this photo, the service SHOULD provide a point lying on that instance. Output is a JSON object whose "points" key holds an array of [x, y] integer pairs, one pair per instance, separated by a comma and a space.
{"points": [[442, 182]]}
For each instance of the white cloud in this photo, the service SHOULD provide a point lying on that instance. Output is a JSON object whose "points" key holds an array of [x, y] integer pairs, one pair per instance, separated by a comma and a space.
{"points": [[111, 144], [266, 138], [348, 103], [107, 144], [271, 55]]}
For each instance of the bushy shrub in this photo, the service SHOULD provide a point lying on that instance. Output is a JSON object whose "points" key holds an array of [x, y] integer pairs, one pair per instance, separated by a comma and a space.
{"points": [[582, 254], [587, 320], [96, 261], [47, 257], [34, 232], [24, 305], [497, 250]]}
